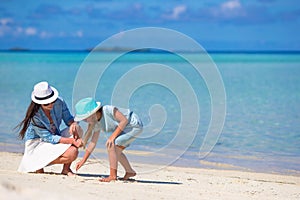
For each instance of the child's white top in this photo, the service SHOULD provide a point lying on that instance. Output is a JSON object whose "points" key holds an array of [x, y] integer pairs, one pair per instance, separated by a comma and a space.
{"points": [[108, 123]]}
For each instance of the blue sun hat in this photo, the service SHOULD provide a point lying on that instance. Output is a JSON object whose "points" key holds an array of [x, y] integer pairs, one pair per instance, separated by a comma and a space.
{"points": [[85, 108]]}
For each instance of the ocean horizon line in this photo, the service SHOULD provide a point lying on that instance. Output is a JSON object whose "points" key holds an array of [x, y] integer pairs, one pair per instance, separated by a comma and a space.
{"points": [[148, 50]]}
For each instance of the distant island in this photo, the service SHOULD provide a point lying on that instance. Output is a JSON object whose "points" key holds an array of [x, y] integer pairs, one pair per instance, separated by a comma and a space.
{"points": [[126, 49], [101, 49], [18, 49]]}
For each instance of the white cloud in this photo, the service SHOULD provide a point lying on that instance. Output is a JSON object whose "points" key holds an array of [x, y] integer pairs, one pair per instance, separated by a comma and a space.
{"points": [[176, 12], [5, 21], [228, 10], [231, 5], [79, 33], [30, 31], [4, 28], [19, 30], [45, 34], [137, 6]]}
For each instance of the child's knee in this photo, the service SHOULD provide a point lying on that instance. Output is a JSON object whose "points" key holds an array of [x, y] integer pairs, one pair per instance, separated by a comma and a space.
{"points": [[111, 147]]}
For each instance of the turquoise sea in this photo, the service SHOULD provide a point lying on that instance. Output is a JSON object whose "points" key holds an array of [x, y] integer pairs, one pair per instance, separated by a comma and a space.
{"points": [[262, 120]]}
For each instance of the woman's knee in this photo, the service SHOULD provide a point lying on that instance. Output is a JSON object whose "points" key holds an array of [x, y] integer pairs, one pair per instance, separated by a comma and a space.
{"points": [[72, 153]]}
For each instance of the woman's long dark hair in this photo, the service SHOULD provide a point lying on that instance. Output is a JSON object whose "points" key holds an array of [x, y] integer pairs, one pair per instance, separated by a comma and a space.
{"points": [[31, 110]]}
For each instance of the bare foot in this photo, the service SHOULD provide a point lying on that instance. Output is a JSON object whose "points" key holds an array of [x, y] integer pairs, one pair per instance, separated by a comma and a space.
{"points": [[40, 171], [68, 172], [108, 179], [128, 175]]}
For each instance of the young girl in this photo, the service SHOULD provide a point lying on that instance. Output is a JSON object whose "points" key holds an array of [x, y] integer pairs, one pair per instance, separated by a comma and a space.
{"points": [[124, 125]]}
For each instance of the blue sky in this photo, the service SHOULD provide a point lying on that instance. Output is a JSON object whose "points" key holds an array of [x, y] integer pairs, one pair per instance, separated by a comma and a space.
{"points": [[215, 24]]}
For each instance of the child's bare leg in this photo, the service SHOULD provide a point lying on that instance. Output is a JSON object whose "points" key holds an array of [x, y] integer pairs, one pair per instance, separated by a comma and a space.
{"points": [[112, 176], [125, 163], [113, 163]]}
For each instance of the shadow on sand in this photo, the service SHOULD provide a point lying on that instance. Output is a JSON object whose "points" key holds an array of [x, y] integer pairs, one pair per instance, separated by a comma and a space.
{"points": [[130, 180]]}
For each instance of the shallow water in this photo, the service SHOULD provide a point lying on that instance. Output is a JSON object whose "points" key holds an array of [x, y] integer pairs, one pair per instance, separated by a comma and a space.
{"points": [[262, 125]]}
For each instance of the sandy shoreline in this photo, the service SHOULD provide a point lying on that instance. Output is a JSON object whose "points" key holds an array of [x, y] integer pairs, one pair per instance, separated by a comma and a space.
{"points": [[166, 183]]}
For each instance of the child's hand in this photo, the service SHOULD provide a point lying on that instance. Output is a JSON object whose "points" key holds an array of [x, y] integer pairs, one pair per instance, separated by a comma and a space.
{"points": [[110, 142], [79, 165]]}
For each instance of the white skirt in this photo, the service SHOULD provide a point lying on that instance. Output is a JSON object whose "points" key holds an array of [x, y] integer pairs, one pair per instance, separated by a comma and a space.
{"points": [[39, 154]]}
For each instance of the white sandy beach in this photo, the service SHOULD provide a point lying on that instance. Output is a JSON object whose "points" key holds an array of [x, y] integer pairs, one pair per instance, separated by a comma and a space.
{"points": [[167, 183]]}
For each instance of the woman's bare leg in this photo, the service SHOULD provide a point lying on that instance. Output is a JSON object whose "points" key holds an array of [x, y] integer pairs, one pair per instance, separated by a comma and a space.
{"points": [[67, 170], [40, 171], [67, 158]]}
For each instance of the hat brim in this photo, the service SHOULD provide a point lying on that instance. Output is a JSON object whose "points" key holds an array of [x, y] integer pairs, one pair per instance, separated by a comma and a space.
{"points": [[83, 117], [45, 101]]}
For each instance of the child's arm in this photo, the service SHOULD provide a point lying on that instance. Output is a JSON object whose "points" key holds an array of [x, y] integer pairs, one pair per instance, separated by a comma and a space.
{"points": [[122, 124], [89, 150]]}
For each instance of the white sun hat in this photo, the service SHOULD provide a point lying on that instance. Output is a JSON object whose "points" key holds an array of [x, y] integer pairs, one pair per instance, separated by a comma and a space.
{"points": [[43, 93]]}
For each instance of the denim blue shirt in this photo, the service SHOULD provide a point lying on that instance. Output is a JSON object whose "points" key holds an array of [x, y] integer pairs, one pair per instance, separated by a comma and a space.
{"points": [[39, 126]]}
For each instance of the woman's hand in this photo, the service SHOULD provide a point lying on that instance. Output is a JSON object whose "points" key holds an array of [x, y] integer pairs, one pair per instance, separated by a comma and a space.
{"points": [[77, 143], [75, 130], [68, 140]]}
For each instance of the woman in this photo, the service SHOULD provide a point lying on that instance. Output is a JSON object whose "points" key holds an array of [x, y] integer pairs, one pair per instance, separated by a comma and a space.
{"points": [[45, 143], [124, 125]]}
